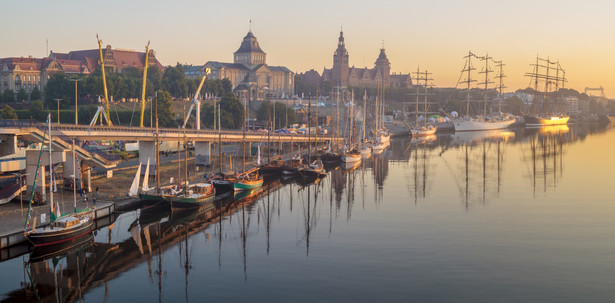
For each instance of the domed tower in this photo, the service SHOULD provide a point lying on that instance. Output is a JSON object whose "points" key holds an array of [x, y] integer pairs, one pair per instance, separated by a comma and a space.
{"points": [[249, 52], [340, 62], [383, 66]]}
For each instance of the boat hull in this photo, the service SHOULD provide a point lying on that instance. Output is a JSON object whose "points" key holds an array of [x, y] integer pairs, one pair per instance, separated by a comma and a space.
{"points": [[352, 158], [187, 202], [462, 125], [247, 185], [60, 236], [421, 132], [535, 121]]}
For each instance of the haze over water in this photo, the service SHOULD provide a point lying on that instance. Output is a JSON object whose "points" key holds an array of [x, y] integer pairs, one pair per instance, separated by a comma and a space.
{"points": [[513, 216]]}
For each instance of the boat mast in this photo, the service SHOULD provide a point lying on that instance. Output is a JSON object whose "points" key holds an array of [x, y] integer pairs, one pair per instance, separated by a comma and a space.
{"points": [[364, 113], [418, 85], [219, 140], [269, 133], [309, 129], [50, 166], [486, 58], [185, 164], [157, 150], [500, 76], [243, 140], [74, 178], [469, 80], [427, 79], [337, 119]]}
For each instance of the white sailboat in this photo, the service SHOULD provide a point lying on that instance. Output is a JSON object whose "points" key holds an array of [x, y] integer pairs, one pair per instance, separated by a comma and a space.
{"points": [[484, 121], [423, 128]]}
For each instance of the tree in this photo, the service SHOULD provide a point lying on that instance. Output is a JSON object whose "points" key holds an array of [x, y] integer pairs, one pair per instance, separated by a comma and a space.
{"points": [[58, 87], [302, 87], [8, 96], [207, 115], [265, 112], [37, 110], [232, 112], [166, 117], [22, 96], [7, 113], [35, 94], [174, 81], [515, 105], [326, 87]]}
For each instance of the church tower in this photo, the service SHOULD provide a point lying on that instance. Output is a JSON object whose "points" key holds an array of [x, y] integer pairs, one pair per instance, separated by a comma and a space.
{"points": [[383, 67], [250, 53], [340, 62]]}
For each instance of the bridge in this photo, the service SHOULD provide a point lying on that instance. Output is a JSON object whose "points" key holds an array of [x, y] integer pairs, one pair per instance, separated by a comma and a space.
{"points": [[124, 133], [63, 134]]}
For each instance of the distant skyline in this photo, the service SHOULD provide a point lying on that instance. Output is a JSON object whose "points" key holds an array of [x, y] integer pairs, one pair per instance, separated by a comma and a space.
{"points": [[433, 36]]}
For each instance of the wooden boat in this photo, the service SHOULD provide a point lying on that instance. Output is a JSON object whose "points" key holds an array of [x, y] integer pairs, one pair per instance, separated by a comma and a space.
{"points": [[62, 229], [352, 156], [195, 195], [248, 180]]}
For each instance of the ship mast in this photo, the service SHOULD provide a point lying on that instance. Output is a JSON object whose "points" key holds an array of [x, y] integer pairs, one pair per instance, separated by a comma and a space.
{"points": [[468, 69], [501, 77], [486, 71]]}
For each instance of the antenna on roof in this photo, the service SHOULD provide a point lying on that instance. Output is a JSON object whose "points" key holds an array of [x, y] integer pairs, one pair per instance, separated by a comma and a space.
{"points": [[47, 47], [382, 43], [250, 24]]}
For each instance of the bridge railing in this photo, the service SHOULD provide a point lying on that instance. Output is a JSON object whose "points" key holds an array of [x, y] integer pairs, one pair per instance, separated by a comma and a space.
{"points": [[127, 130]]}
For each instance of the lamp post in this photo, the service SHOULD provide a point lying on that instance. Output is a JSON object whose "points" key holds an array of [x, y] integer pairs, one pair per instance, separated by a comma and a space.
{"points": [[76, 111], [58, 101]]}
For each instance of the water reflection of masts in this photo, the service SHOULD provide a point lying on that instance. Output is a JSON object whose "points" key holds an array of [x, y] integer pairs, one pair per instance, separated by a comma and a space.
{"points": [[546, 153]]}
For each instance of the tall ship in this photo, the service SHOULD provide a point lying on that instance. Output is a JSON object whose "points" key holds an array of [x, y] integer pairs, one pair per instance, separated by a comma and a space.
{"points": [[487, 120], [421, 126], [547, 105]]}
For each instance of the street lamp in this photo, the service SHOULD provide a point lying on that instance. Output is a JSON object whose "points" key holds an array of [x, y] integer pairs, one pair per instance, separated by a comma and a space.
{"points": [[58, 101], [76, 112]]}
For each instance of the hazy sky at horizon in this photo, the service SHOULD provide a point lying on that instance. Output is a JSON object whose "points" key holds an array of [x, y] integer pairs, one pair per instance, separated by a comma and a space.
{"points": [[433, 35]]}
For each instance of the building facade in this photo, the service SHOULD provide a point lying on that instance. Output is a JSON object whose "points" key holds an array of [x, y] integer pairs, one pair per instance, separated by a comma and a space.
{"points": [[249, 73], [20, 72], [342, 74]]}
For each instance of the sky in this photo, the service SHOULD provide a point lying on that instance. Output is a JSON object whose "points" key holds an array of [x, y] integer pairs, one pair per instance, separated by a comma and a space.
{"points": [[433, 35]]}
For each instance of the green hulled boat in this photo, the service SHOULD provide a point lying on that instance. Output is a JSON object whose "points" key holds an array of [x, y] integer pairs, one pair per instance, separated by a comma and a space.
{"points": [[196, 195]]}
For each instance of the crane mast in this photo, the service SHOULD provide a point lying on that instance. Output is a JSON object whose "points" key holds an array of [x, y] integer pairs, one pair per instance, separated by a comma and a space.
{"points": [[144, 82], [102, 65]]}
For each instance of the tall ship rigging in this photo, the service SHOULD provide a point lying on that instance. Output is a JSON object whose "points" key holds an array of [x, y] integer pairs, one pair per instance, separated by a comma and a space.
{"points": [[486, 120], [547, 106]]}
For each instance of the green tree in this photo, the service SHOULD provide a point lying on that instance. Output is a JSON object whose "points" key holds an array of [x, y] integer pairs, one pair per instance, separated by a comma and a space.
{"points": [[266, 112], [22, 96], [166, 117], [8, 96], [515, 105], [226, 86], [37, 110], [207, 115], [232, 112], [326, 87], [174, 81], [35, 94], [7, 113], [59, 87]]}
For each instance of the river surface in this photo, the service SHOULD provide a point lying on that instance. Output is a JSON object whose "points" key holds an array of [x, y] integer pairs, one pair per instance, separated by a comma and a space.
{"points": [[504, 216]]}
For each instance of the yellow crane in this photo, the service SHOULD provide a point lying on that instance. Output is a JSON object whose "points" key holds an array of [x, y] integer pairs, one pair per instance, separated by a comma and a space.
{"points": [[144, 82], [102, 66]]}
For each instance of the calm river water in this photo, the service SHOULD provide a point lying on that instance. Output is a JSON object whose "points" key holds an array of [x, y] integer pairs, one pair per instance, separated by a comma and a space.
{"points": [[508, 216]]}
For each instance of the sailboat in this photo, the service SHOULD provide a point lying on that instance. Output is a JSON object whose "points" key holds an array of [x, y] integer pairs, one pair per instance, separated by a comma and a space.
{"points": [[549, 114], [366, 148], [312, 169], [222, 182], [423, 128], [381, 136], [62, 228], [484, 121], [352, 155], [158, 193], [251, 179]]}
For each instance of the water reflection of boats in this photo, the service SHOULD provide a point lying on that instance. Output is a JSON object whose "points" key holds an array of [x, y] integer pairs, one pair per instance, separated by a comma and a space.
{"points": [[479, 163], [42, 253], [545, 156]]}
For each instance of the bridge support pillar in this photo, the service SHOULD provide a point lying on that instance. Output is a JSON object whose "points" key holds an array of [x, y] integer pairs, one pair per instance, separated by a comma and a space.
{"points": [[86, 172], [68, 170], [32, 157], [147, 150], [8, 145], [202, 151]]}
